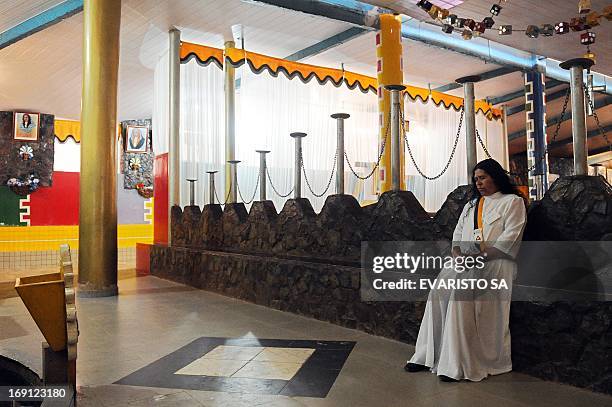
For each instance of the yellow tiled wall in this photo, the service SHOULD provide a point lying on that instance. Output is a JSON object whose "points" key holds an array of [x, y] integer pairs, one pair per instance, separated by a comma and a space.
{"points": [[39, 238]]}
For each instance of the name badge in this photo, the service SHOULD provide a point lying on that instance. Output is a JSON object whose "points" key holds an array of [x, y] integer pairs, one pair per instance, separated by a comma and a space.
{"points": [[478, 235]]}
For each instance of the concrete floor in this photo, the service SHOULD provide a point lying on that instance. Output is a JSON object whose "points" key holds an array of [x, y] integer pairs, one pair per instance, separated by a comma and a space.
{"points": [[152, 318]]}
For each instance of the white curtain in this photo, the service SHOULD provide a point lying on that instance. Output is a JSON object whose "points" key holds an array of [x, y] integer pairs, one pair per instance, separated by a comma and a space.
{"points": [[202, 130], [431, 136], [161, 87], [268, 109]]}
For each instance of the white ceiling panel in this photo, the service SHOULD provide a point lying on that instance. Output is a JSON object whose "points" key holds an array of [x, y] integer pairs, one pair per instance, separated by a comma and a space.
{"points": [[14, 12], [49, 62]]}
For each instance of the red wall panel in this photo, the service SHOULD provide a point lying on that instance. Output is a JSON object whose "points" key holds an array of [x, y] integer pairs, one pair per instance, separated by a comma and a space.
{"points": [[58, 204], [160, 196]]}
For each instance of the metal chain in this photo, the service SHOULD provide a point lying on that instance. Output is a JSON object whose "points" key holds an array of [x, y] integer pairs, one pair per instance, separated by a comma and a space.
{"points": [[539, 159], [229, 191], [254, 192], [452, 154], [274, 188], [331, 177], [592, 106], [382, 150]]}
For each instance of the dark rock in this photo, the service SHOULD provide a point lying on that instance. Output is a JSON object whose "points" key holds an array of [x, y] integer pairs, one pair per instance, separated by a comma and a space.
{"points": [[448, 215], [191, 220], [399, 216], [235, 227], [295, 229], [574, 208], [261, 229], [210, 229], [179, 234]]}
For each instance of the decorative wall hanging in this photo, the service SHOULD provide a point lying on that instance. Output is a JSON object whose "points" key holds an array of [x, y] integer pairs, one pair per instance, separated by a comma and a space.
{"points": [[145, 192], [38, 156], [134, 164], [25, 126], [23, 188], [26, 153], [137, 154], [137, 139]]}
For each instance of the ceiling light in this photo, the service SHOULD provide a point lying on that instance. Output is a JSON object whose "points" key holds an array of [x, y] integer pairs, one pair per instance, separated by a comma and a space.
{"points": [[496, 9], [532, 31], [547, 30], [505, 29]]}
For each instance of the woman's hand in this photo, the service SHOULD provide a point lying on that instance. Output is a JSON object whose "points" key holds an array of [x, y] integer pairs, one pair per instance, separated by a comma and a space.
{"points": [[492, 253]]}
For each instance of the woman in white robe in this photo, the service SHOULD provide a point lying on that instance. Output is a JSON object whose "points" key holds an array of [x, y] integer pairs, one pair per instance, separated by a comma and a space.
{"points": [[470, 339]]}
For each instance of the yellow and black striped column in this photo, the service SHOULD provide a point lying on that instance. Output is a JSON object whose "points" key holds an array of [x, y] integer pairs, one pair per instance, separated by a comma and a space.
{"points": [[389, 71]]}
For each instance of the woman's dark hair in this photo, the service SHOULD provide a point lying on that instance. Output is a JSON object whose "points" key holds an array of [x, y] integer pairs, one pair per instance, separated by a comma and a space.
{"points": [[500, 178]]}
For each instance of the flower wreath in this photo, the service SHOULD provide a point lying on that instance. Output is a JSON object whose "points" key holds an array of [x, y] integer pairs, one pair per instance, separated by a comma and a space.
{"points": [[23, 188], [145, 192]]}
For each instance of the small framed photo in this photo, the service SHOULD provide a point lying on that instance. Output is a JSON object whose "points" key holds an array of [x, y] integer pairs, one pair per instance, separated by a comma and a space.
{"points": [[136, 139], [26, 126]]}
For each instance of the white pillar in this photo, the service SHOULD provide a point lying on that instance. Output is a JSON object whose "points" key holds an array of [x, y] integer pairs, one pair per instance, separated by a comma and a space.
{"points": [[233, 196], [470, 121], [262, 174], [211, 186], [396, 136], [174, 117], [576, 67], [505, 151], [230, 115], [340, 117], [297, 170]]}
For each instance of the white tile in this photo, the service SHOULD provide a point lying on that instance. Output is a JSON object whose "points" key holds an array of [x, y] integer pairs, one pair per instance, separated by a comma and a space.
{"points": [[285, 355], [234, 352], [212, 367], [268, 370]]}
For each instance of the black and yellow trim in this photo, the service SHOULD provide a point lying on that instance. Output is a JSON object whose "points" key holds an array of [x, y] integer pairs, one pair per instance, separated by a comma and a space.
{"points": [[305, 72]]}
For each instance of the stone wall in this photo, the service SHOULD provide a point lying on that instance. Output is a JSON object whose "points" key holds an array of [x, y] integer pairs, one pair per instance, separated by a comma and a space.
{"points": [[306, 263], [333, 236]]}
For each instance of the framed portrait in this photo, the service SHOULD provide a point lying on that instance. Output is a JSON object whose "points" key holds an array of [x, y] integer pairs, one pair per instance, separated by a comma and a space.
{"points": [[26, 126], [136, 139]]}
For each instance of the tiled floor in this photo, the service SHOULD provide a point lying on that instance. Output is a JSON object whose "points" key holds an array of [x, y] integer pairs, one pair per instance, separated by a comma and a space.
{"points": [[245, 361], [155, 322]]}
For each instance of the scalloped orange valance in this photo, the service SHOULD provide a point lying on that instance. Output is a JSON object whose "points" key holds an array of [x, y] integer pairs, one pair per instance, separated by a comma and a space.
{"points": [[67, 128], [305, 72]]}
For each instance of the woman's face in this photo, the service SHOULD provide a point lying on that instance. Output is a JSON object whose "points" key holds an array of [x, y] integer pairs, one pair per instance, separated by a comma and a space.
{"points": [[484, 183], [26, 119]]}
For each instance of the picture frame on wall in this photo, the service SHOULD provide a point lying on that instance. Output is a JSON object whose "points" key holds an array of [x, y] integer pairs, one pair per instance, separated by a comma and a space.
{"points": [[26, 125], [136, 139]]}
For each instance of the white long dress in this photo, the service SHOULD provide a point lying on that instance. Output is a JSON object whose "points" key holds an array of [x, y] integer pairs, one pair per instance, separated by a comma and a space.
{"points": [[471, 339]]}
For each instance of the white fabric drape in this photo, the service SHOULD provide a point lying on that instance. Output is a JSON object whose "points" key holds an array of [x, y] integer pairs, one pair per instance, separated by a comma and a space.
{"points": [[201, 128], [161, 88], [268, 109], [431, 136], [202, 131]]}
